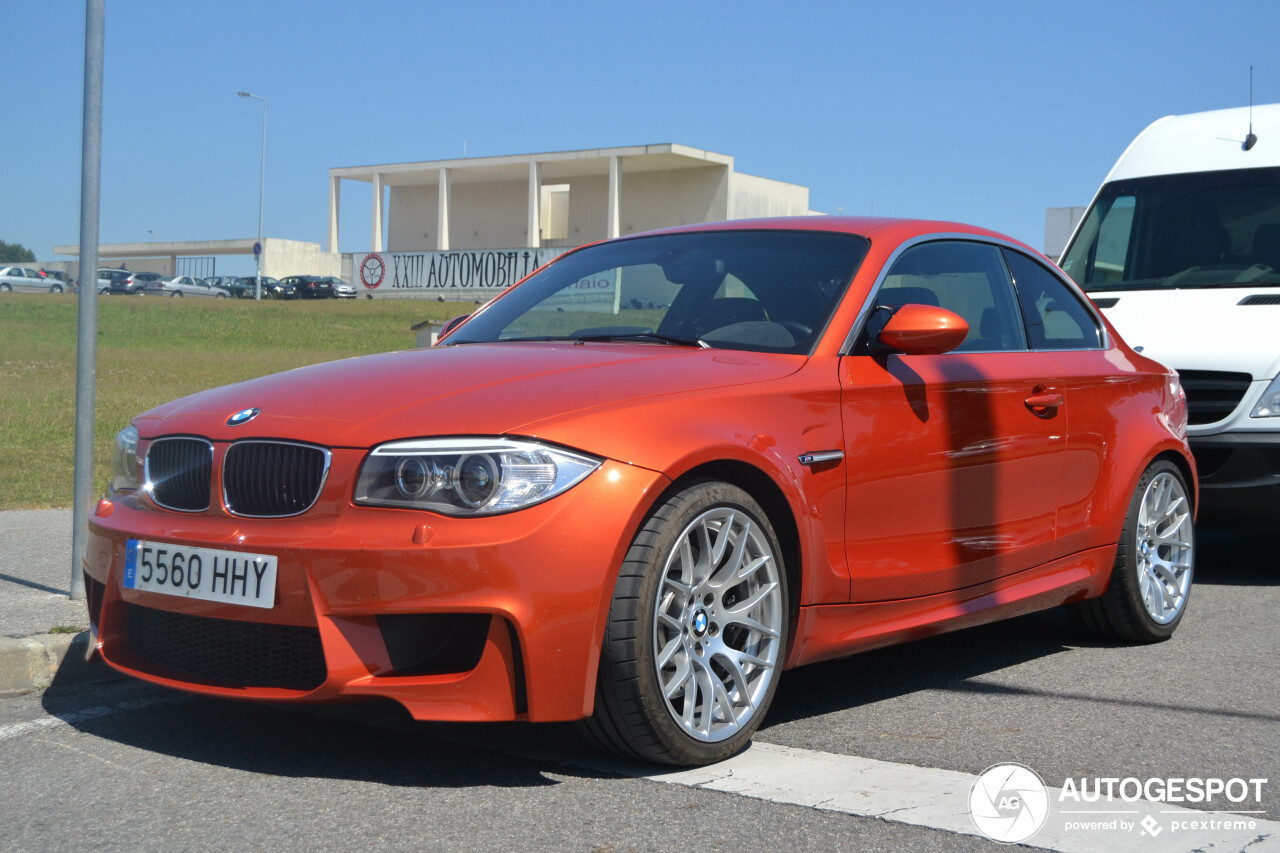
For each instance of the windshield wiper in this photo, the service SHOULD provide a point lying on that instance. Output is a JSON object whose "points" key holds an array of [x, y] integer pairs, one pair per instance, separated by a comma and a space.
{"points": [[641, 336]]}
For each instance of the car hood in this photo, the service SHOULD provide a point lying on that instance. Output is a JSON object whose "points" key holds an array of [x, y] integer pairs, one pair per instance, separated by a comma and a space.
{"points": [[1200, 329], [472, 389]]}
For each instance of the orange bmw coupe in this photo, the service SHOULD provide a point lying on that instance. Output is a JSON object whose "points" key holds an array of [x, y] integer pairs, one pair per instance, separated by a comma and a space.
{"points": [[637, 486]]}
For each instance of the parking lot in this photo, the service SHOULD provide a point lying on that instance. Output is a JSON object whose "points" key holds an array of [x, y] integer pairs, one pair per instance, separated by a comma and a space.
{"points": [[120, 762]]}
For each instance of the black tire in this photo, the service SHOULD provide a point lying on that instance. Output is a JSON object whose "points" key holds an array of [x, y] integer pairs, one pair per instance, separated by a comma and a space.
{"points": [[177, 294], [220, 296], [632, 717], [57, 288], [4, 288], [1120, 614]]}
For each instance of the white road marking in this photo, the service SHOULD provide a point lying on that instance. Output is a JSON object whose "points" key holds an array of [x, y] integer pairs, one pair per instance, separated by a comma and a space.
{"points": [[939, 799], [72, 718]]}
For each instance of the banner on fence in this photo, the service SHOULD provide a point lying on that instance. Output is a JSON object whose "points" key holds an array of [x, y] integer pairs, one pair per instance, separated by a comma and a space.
{"points": [[474, 269]]}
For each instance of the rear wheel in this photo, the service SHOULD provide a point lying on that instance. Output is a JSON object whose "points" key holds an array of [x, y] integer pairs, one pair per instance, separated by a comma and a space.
{"points": [[1151, 579], [220, 296], [697, 631], [177, 294]]}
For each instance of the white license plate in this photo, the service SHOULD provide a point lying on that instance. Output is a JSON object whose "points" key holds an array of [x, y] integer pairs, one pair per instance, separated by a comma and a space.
{"points": [[232, 577]]}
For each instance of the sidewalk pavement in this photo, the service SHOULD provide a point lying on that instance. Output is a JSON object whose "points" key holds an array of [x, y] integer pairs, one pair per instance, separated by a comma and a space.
{"points": [[41, 629]]}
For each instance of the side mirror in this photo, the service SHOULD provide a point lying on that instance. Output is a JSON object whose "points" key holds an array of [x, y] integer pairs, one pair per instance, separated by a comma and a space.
{"points": [[451, 325], [923, 330]]}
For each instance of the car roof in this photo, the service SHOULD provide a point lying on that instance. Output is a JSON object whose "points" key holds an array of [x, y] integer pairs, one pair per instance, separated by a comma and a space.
{"points": [[871, 227]]}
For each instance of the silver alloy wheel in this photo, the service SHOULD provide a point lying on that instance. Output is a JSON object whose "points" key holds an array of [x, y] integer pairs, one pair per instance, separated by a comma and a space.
{"points": [[718, 623], [1165, 548]]}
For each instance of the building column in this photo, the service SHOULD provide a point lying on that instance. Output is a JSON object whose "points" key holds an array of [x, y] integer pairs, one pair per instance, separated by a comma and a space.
{"points": [[535, 204], [377, 212], [335, 188], [442, 210], [613, 225]]}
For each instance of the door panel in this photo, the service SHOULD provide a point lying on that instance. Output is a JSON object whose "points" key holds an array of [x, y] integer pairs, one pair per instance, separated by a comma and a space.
{"points": [[953, 478]]}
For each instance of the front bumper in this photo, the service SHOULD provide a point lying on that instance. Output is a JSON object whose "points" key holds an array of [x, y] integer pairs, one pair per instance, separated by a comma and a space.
{"points": [[532, 587], [1239, 475]]}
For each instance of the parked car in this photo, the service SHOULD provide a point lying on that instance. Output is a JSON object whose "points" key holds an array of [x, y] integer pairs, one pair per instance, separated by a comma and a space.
{"points": [[145, 282], [185, 285], [233, 284], [249, 284], [27, 279], [109, 277], [842, 433], [1181, 250], [309, 286], [341, 289]]}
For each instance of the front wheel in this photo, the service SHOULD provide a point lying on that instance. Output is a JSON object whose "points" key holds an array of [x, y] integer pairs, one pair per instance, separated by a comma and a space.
{"points": [[697, 630], [220, 296], [1151, 579], [4, 288], [57, 288]]}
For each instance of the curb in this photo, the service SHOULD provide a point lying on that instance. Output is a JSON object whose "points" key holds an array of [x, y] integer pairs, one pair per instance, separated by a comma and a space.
{"points": [[32, 663]]}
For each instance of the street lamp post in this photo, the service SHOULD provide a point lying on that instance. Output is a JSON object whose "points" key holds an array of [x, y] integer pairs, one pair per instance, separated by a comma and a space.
{"points": [[262, 182]]}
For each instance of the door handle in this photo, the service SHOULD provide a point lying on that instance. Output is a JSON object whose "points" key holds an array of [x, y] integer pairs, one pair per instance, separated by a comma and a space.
{"points": [[1043, 402]]}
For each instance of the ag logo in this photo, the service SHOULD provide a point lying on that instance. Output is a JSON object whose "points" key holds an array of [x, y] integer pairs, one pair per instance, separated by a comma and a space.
{"points": [[1008, 803], [372, 270]]}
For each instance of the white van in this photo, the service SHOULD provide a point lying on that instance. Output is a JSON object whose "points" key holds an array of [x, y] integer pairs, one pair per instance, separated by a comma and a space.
{"points": [[1180, 249]]}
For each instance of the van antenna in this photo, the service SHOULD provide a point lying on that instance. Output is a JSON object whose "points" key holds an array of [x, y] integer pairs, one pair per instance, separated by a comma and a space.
{"points": [[1250, 140]]}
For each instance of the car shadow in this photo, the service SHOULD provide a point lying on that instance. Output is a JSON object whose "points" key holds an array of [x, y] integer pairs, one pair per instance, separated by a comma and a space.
{"points": [[946, 662], [1235, 557], [369, 742]]}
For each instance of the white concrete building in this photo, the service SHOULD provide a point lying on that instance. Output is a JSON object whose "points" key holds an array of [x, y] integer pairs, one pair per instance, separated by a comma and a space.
{"points": [[279, 257], [560, 198]]}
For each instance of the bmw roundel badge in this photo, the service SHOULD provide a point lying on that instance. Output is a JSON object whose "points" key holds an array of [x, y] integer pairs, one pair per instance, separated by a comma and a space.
{"points": [[243, 417]]}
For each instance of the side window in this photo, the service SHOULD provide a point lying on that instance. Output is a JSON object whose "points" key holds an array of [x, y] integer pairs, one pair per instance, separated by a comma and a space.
{"points": [[968, 279], [1055, 316]]}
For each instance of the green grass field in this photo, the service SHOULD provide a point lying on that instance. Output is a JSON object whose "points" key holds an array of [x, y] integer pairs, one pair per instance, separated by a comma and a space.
{"points": [[152, 350]]}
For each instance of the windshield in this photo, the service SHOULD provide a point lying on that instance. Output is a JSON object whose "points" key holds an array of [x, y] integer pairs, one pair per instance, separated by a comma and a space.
{"points": [[765, 291], [1205, 229]]}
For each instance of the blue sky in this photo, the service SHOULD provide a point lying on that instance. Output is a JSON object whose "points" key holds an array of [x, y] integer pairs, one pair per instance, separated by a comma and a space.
{"points": [[980, 112]]}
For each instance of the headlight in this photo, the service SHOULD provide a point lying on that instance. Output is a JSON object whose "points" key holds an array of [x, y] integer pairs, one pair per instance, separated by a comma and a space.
{"points": [[1269, 405], [124, 462], [468, 476]]}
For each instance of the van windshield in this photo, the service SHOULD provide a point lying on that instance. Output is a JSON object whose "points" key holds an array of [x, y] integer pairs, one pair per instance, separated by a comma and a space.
{"points": [[1203, 229]]}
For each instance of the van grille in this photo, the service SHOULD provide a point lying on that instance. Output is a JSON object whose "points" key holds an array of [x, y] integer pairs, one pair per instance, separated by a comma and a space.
{"points": [[1212, 395]]}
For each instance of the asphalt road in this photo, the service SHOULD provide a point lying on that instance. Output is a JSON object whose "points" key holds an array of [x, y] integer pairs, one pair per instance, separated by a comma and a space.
{"points": [[105, 765]]}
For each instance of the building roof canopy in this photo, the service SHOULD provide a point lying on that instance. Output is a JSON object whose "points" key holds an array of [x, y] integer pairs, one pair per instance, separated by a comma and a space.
{"points": [[556, 165]]}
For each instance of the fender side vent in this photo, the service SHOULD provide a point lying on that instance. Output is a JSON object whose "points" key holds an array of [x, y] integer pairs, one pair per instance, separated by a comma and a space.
{"points": [[1106, 301], [1261, 299]]}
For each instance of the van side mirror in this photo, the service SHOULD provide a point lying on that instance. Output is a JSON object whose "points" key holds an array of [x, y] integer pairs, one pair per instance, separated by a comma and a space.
{"points": [[923, 330]]}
